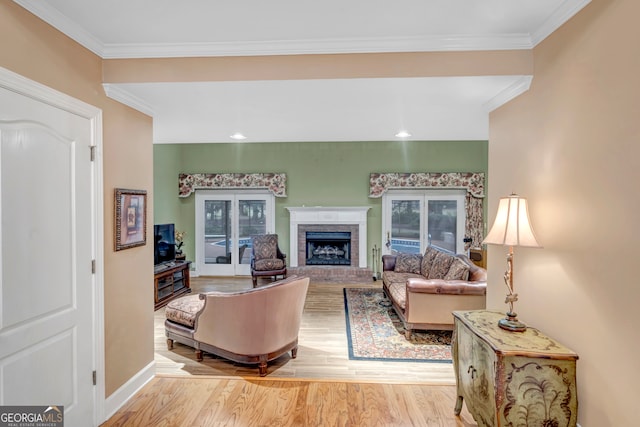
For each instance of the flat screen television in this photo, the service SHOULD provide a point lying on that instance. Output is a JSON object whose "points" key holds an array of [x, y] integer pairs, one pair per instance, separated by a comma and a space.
{"points": [[165, 243]]}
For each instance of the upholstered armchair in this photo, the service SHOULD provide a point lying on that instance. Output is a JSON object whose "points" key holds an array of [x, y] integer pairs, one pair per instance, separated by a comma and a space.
{"points": [[226, 259], [266, 258], [253, 326]]}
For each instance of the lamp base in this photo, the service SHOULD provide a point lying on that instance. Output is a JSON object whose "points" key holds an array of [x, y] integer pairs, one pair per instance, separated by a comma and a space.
{"points": [[512, 324]]}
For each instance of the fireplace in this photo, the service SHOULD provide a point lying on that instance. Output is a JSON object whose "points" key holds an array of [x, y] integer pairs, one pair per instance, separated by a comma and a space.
{"points": [[328, 248], [348, 226]]}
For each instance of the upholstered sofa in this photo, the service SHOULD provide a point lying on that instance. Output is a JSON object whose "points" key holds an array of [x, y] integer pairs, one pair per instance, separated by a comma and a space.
{"points": [[425, 289], [253, 326]]}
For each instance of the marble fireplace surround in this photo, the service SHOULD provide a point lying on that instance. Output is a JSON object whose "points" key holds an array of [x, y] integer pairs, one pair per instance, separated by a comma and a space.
{"points": [[320, 218]]}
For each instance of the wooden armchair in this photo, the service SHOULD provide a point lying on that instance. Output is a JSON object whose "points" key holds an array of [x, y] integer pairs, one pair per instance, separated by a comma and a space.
{"points": [[266, 258]]}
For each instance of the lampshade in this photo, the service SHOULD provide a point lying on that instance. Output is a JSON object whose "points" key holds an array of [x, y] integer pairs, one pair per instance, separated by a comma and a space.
{"points": [[512, 226]]}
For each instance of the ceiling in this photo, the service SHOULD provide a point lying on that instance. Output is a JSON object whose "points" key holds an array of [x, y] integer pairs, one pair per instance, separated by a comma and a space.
{"points": [[357, 109]]}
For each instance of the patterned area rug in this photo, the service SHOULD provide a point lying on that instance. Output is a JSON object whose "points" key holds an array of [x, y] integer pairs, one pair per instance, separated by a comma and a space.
{"points": [[375, 332]]}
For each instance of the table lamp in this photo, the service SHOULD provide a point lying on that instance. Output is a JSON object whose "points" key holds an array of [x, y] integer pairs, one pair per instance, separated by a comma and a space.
{"points": [[512, 227]]}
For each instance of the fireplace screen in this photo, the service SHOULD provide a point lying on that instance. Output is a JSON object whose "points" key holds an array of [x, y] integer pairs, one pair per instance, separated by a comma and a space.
{"points": [[328, 248]]}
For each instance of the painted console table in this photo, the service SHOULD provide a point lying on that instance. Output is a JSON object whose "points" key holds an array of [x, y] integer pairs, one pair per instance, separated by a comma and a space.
{"points": [[512, 378]]}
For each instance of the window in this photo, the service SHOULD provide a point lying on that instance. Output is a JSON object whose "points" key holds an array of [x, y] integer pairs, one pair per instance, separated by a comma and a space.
{"points": [[415, 219], [225, 222]]}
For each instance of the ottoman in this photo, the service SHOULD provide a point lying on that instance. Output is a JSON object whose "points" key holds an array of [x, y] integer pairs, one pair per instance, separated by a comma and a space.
{"points": [[181, 316]]}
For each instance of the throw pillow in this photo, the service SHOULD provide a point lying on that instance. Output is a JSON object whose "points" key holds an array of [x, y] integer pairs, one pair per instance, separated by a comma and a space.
{"points": [[427, 260], [408, 263], [459, 270], [440, 266]]}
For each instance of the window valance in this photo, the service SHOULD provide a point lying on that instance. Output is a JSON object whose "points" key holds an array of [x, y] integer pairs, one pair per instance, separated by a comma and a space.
{"points": [[472, 182], [276, 183]]}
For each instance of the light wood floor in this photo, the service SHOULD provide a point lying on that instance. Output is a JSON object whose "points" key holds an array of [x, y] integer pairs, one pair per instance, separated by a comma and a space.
{"points": [[322, 351], [208, 401], [321, 387]]}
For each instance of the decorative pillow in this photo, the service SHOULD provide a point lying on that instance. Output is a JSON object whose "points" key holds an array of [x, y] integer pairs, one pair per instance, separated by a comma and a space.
{"points": [[458, 270], [440, 266], [427, 260], [408, 263]]}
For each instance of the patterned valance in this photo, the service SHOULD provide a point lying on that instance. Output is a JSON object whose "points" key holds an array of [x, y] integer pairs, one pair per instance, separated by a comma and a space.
{"points": [[276, 183], [472, 182]]}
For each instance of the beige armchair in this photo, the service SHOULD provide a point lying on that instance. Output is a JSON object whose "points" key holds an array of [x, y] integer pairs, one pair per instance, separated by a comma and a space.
{"points": [[253, 326]]}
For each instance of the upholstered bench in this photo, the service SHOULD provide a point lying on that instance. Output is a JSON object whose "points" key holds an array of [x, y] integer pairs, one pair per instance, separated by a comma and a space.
{"points": [[181, 315]]}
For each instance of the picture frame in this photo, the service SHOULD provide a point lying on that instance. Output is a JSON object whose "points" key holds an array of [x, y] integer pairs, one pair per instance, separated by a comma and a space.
{"points": [[130, 218]]}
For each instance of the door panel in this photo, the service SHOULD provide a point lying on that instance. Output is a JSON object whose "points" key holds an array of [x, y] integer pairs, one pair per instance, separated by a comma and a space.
{"points": [[406, 225], [442, 223], [46, 283]]}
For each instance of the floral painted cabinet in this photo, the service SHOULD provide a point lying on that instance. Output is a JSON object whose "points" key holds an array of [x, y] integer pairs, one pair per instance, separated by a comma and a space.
{"points": [[512, 378]]}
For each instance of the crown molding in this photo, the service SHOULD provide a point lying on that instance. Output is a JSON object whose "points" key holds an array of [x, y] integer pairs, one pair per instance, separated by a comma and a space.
{"points": [[53, 17], [468, 42], [126, 98], [517, 88], [462, 42], [561, 15]]}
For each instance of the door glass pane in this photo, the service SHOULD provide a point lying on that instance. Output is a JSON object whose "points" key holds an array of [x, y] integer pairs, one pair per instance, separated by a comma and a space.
{"points": [[252, 220], [442, 222], [405, 226], [217, 231]]}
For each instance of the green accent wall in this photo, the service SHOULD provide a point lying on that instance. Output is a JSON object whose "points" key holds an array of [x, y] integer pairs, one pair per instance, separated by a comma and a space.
{"points": [[318, 174]]}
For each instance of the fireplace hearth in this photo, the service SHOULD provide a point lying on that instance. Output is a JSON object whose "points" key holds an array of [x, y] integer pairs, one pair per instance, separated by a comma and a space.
{"points": [[328, 248]]}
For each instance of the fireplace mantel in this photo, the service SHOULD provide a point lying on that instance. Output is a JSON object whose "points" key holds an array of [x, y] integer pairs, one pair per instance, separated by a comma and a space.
{"points": [[329, 215]]}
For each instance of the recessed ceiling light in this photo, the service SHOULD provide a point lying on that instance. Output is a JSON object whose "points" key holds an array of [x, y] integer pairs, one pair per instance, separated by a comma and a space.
{"points": [[403, 134], [238, 136]]}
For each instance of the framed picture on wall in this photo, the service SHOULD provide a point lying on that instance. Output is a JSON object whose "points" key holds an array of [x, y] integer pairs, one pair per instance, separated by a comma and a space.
{"points": [[130, 218]]}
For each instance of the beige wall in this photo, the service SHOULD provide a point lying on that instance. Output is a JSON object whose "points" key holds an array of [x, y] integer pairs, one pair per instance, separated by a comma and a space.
{"points": [[292, 67], [33, 49], [571, 146]]}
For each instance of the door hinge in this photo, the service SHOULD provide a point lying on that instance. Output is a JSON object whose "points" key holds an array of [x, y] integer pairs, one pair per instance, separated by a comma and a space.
{"points": [[94, 377], [93, 152], [93, 266]]}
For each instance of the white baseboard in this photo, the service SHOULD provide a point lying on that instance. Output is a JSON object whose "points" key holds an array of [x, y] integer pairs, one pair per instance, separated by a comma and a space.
{"points": [[122, 395]]}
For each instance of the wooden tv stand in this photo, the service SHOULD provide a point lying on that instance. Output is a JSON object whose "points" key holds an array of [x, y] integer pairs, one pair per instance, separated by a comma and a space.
{"points": [[170, 280]]}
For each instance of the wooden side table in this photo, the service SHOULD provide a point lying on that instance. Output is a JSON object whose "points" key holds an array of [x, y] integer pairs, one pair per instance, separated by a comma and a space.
{"points": [[512, 378], [170, 280]]}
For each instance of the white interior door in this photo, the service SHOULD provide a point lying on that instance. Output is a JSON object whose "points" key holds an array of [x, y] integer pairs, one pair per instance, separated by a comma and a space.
{"points": [[47, 245], [225, 222]]}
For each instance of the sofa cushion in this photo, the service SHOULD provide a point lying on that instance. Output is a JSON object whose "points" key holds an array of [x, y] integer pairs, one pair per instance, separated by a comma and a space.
{"points": [[389, 277], [408, 263], [269, 264], [427, 260], [398, 293], [184, 310], [440, 266], [459, 270]]}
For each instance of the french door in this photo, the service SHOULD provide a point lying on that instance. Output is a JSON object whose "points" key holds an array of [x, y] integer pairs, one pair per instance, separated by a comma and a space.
{"points": [[225, 222], [413, 220]]}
